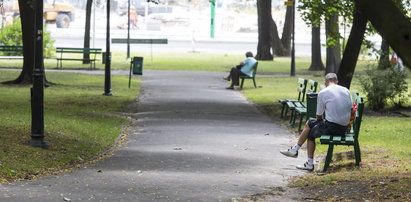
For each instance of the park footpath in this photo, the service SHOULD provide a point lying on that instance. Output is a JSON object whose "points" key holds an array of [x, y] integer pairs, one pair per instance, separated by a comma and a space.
{"points": [[194, 141]]}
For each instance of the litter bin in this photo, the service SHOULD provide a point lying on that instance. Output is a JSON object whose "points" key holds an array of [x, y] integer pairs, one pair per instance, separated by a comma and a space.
{"points": [[311, 105], [137, 65], [103, 60]]}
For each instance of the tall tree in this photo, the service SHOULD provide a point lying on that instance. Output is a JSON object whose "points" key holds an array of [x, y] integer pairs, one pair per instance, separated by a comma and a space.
{"points": [[384, 61], [333, 59], [27, 14], [264, 30], [311, 12], [287, 31], [316, 60], [86, 56], [352, 50], [276, 43], [391, 24]]}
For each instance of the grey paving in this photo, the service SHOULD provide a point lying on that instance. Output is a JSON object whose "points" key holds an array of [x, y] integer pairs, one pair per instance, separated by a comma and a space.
{"points": [[194, 141]]}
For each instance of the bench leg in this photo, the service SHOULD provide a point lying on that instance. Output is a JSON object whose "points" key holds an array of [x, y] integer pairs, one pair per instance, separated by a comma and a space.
{"points": [[282, 111], [286, 111], [255, 85], [292, 117], [357, 153], [242, 82], [301, 121], [329, 157]]}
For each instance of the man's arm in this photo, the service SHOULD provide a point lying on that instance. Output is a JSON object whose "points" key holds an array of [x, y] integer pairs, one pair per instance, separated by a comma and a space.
{"points": [[320, 117]]}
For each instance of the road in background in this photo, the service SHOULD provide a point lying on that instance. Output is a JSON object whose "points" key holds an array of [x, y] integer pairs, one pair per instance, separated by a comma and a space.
{"points": [[184, 34]]}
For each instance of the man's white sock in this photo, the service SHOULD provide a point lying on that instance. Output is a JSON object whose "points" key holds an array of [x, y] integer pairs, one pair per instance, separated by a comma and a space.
{"points": [[296, 147], [310, 161]]}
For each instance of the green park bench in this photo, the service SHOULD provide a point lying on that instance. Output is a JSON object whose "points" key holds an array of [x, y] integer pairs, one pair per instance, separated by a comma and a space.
{"points": [[287, 103], [13, 52], [301, 109], [349, 139], [250, 77], [62, 55]]}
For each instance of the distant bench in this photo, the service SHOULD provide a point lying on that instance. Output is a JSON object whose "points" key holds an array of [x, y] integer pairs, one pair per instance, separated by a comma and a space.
{"points": [[62, 55], [15, 51]]}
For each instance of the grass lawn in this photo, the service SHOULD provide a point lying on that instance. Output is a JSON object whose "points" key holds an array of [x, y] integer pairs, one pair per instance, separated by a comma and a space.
{"points": [[384, 140], [80, 123]]}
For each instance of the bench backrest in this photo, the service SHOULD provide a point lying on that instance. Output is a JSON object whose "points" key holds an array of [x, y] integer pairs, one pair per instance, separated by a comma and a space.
{"points": [[358, 115], [312, 86], [255, 69], [6, 48], [302, 86], [78, 50]]}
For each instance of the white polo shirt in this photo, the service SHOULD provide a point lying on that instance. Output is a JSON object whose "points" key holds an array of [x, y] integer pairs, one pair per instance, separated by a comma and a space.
{"points": [[335, 101]]}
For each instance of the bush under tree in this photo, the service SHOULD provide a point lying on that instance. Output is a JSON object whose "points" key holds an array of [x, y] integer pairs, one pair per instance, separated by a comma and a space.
{"points": [[12, 36], [383, 86]]}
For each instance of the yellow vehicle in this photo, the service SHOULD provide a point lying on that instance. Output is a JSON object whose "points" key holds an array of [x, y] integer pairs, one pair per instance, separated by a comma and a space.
{"points": [[59, 13]]}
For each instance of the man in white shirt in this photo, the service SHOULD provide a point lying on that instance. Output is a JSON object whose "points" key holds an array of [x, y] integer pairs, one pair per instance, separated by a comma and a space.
{"points": [[335, 102]]}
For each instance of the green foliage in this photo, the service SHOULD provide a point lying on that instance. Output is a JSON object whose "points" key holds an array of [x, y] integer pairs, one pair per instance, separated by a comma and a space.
{"points": [[11, 35], [80, 123], [382, 86]]}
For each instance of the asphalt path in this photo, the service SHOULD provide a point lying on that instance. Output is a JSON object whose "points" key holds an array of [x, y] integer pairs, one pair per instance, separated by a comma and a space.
{"points": [[194, 141]]}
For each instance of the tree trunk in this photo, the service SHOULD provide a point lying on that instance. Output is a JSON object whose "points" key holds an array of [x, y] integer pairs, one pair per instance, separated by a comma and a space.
{"points": [[352, 50], [333, 50], [86, 56], [276, 43], [391, 24], [264, 30], [287, 31], [316, 60], [28, 29], [384, 62]]}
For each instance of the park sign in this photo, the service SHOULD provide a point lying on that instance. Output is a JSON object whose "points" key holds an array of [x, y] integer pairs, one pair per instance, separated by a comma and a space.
{"points": [[289, 3]]}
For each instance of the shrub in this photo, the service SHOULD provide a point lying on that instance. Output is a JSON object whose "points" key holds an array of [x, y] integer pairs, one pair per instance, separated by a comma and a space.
{"points": [[381, 86], [11, 36]]}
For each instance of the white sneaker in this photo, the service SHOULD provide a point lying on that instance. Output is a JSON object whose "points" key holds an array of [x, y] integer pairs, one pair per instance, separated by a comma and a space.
{"points": [[306, 166], [290, 153]]}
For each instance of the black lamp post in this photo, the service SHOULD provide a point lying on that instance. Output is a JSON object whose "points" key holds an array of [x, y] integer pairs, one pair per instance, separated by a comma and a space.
{"points": [[37, 91], [293, 43], [107, 77], [128, 30]]}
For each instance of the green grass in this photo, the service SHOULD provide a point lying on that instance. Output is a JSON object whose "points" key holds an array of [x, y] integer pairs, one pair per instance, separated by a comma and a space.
{"points": [[384, 140], [80, 123], [378, 132]]}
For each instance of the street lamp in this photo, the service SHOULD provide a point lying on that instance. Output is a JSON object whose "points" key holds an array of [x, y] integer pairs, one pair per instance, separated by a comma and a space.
{"points": [[107, 74], [212, 4], [128, 30], [293, 43], [37, 91]]}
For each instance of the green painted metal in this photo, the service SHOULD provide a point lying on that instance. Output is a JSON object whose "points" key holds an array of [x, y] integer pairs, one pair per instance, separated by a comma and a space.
{"points": [[212, 23], [140, 41]]}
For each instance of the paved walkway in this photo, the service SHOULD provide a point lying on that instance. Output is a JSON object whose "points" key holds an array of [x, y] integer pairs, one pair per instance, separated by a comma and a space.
{"points": [[194, 141]]}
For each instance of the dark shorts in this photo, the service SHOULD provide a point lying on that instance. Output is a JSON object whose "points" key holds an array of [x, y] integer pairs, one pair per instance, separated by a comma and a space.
{"points": [[318, 128]]}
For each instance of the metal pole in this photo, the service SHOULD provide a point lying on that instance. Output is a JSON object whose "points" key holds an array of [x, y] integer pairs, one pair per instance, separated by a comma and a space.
{"points": [[293, 44], [37, 91], [128, 31], [107, 77], [94, 25], [212, 4]]}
